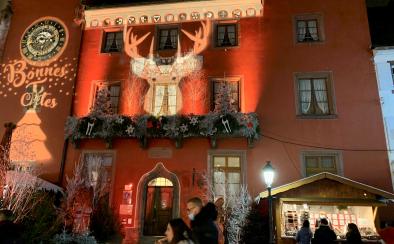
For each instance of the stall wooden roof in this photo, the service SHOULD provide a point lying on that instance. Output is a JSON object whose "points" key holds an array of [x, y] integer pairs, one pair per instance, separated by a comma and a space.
{"points": [[334, 177]]}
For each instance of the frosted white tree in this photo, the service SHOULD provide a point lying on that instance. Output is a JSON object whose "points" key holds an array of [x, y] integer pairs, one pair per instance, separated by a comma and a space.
{"points": [[102, 103], [96, 175], [20, 194], [135, 91], [83, 191], [237, 217], [195, 86]]}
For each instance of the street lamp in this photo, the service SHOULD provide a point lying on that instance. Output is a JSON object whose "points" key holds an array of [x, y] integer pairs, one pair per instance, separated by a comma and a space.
{"points": [[268, 177]]}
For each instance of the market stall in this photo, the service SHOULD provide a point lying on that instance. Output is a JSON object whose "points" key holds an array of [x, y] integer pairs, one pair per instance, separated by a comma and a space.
{"points": [[325, 195]]}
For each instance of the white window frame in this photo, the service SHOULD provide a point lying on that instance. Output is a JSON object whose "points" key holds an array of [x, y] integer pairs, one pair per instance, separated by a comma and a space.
{"points": [[227, 153]]}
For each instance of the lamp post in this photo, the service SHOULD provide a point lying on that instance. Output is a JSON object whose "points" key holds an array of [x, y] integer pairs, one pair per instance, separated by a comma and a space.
{"points": [[268, 177]]}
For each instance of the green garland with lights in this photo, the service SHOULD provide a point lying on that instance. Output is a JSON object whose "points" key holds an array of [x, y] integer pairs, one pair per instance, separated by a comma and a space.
{"points": [[215, 125]]}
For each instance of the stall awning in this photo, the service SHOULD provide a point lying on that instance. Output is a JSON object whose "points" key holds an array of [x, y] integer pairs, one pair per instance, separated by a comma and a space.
{"points": [[329, 181]]}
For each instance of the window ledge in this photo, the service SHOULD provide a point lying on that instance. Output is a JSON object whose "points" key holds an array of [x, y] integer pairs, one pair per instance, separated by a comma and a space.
{"points": [[310, 43], [111, 53], [330, 116], [225, 47]]}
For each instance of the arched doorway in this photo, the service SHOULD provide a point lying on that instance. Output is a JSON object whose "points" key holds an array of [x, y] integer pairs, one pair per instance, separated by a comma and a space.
{"points": [[158, 209], [158, 193]]}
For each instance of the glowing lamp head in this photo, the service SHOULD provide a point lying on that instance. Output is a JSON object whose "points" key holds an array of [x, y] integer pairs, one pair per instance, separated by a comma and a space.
{"points": [[268, 174]]}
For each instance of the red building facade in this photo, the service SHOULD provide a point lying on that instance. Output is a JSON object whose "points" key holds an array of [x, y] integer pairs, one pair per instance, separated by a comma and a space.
{"points": [[302, 68], [201, 95], [39, 57]]}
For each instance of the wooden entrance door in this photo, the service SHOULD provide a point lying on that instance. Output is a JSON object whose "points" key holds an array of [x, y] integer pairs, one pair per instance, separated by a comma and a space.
{"points": [[158, 210]]}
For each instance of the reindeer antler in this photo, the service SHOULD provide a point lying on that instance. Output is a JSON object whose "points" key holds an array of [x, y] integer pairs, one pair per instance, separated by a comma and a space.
{"points": [[131, 42], [200, 38]]}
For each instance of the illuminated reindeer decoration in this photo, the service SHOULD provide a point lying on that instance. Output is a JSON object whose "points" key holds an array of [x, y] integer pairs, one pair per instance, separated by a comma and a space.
{"points": [[164, 74]]}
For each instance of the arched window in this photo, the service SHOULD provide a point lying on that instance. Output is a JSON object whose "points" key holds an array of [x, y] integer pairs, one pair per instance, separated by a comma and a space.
{"points": [[160, 181]]}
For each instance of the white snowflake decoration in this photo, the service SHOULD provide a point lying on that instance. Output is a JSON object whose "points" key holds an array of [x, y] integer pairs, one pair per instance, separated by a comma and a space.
{"points": [[183, 128], [119, 120], [193, 120], [130, 129]]}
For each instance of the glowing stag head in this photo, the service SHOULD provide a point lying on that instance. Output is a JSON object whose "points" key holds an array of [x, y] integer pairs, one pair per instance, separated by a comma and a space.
{"points": [[164, 74], [150, 69]]}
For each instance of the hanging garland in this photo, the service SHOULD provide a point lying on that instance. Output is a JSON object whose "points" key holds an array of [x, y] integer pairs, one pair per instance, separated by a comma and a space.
{"points": [[176, 127]]}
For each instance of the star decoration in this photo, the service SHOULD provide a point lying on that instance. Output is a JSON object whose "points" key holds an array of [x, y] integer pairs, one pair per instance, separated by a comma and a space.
{"points": [[119, 120], [183, 128], [130, 130], [193, 120]]}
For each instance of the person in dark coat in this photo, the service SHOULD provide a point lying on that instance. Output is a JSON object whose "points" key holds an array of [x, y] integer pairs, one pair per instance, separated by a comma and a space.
{"points": [[204, 229], [324, 234], [304, 235], [9, 231], [353, 234]]}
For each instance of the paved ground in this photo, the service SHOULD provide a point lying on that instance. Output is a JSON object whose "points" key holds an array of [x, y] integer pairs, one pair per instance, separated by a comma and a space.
{"points": [[144, 240]]}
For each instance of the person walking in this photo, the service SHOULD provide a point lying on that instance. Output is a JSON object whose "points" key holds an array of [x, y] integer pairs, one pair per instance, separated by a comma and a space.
{"points": [[304, 235], [204, 229], [324, 234], [177, 232], [353, 235], [193, 207]]}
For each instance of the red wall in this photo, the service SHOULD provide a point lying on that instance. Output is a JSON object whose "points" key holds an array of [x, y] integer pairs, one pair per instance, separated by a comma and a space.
{"points": [[266, 60], [51, 127]]}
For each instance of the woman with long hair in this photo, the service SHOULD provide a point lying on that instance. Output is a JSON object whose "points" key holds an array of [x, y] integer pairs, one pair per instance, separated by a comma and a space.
{"points": [[353, 234], [177, 233], [304, 235]]}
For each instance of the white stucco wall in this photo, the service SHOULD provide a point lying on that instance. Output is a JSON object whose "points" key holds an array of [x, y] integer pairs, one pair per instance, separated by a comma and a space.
{"points": [[382, 59]]}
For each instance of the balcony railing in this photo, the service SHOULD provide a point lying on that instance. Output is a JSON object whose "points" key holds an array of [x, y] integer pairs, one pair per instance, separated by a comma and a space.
{"points": [[177, 127]]}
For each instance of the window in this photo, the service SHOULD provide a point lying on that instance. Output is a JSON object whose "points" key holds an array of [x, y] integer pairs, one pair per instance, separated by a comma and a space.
{"points": [[113, 42], [164, 99], [314, 94], [160, 181], [168, 38], [227, 178], [317, 162], [114, 95], [97, 169], [392, 70], [309, 28], [226, 91], [114, 90], [226, 35]]}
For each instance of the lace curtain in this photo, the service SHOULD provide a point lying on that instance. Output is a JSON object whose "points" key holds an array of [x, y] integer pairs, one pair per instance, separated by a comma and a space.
{"points": [[313, 96], [307, 30], [320, 90], [305, 95], [164, 100]]}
